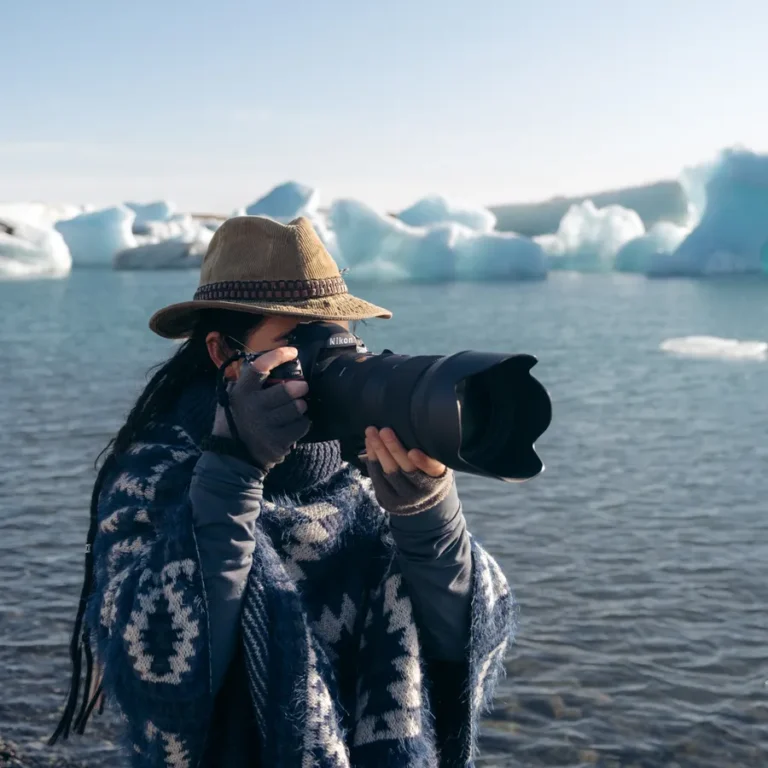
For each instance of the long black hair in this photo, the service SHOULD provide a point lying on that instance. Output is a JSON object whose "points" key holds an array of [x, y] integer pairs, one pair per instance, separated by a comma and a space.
{"points": [[190, 363]]}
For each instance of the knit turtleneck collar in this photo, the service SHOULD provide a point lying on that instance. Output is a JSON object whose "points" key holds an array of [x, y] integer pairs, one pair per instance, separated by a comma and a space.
{"points": [[307, 466]]}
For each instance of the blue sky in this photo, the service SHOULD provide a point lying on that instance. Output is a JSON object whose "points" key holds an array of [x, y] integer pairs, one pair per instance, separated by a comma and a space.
{"points": [[210, 104]]}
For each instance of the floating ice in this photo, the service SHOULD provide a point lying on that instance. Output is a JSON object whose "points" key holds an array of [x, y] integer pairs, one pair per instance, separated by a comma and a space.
{"points": [[179, 243], [159, 210], [499, 256], [727, 231], [383, 247], [167, 254], [732, 236], [439, 210], [437, 240], [285, 202], [27, 251], [712, 347], [94, 238], [179, 226], [211, 223], [661, 240], [40, 215], [694, 180], [589, 238], [379, 271]]}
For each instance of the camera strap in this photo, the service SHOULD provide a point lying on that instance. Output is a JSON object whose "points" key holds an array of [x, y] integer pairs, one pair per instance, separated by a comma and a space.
{"points": [[222, 391]]}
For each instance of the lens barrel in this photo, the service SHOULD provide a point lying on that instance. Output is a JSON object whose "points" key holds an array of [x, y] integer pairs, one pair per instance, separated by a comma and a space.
{"points": [[476, 412]]}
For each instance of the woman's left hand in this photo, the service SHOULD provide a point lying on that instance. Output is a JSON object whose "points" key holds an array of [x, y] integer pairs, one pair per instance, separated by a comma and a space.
{"points": [[383, 446], [405, 482]]}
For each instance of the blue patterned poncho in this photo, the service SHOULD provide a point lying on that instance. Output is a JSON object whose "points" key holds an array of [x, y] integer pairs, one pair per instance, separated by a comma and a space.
{"points": [[331, 651]]}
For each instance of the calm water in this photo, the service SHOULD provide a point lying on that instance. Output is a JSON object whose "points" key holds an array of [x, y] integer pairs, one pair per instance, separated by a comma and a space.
{"points": [[640, 557]]}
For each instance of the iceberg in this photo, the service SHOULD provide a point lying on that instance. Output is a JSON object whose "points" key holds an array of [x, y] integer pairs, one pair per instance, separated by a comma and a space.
{"points": [[167, 254], [27, 251], [732, 234], [95, 238], [209, 222], [499, 256], [715, 348], [660, 241], [179, 243], [726, 231], [159, 210], [589, 238], [658, 201], [439, 210], [40, 215], [375, 246], [285, 202], [179, 226]]}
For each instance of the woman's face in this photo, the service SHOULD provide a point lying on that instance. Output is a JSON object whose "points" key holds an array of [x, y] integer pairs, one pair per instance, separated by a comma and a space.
{"points": [[271, 333]]}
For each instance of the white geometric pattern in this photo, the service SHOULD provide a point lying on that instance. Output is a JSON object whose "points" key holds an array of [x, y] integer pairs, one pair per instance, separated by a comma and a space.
{"points": [[321, 730], [492, 580], [144, 487], [307, 539], [175, 754], [403, 722], [120, 517], [182, 622], [329, 627], [119, 567], [108, 612], [479, 693]]}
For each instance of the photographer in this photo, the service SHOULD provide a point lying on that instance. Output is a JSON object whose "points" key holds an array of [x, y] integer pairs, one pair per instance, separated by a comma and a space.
{"points": [[254, 600]]}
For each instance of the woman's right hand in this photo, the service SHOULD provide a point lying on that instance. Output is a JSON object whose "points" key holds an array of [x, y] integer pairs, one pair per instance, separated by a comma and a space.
{"points": [[269, 421]]}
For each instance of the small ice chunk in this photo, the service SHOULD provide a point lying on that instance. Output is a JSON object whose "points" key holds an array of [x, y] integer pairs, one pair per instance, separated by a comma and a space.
{"points": [[715, 348]]}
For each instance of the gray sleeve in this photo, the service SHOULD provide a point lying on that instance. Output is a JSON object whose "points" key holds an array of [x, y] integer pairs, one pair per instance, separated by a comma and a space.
{"points": [[435, 556], [226, 500]]}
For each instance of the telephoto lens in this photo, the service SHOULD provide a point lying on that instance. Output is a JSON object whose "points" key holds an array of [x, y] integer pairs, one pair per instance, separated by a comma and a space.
{"points": [[476, 412]]}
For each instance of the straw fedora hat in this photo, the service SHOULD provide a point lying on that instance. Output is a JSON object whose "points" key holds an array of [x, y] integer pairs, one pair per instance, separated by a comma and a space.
{"points": [[258, 265]]}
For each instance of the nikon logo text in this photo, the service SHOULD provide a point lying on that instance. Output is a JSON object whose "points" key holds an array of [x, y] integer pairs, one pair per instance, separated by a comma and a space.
{"points": [[342, 341]]}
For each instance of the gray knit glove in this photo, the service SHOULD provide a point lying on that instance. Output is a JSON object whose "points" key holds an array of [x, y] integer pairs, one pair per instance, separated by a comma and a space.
{"points": [[269, 421], [408, 493]]}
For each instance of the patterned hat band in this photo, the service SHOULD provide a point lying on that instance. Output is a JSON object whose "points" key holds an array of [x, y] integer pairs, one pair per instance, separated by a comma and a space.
{"points": [[271, 290]]}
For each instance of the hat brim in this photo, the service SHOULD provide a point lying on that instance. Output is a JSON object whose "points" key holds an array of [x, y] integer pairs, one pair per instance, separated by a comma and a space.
{"points": [[177, 321]]}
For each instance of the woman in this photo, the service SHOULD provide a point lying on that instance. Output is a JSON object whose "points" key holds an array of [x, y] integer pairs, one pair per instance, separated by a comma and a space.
{"points": [[254, 600]]}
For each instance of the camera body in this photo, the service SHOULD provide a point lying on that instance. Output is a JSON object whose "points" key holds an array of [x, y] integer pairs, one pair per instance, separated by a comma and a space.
{"points": [[316, 342]]}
